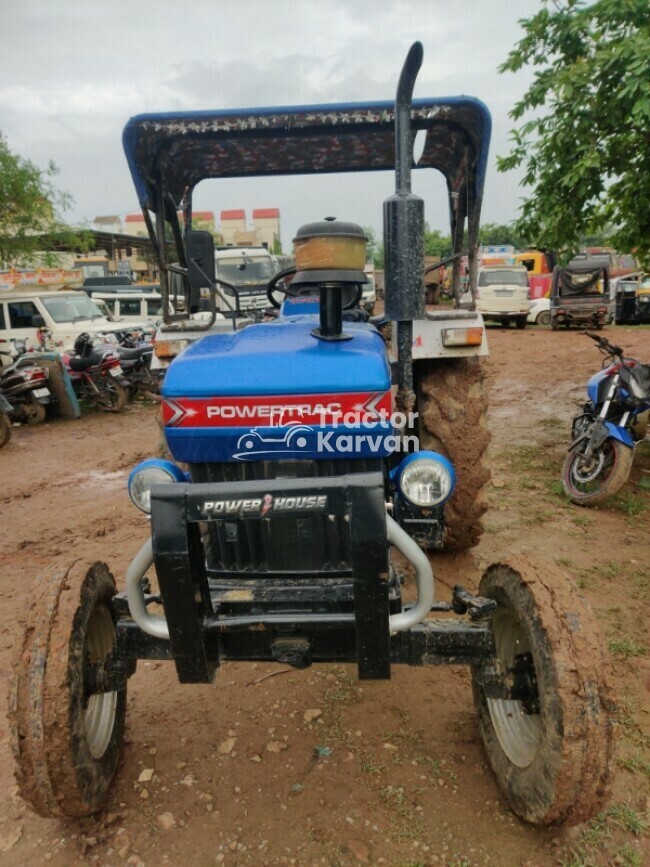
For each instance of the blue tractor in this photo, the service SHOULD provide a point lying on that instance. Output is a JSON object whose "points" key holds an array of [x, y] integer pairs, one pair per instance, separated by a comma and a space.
{"points": [[305, 450]]}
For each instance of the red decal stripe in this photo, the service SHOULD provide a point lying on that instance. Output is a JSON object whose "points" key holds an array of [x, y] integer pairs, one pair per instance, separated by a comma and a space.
{"points": [[277, 411]]}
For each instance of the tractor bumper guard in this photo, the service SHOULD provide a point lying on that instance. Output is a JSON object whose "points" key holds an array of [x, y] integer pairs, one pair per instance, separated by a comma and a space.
{"points": [[355, 617]]}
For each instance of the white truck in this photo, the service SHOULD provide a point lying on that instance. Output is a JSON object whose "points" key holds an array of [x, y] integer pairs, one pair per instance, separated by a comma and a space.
{"points": [[249, 269]]}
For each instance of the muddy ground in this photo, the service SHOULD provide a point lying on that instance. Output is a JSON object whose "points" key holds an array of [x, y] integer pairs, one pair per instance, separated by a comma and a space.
{"points": [[311, 767]]}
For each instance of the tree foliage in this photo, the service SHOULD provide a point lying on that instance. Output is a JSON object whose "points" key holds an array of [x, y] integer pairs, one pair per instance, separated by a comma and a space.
{"points": [[585, 145], [437, 244], [29, 208]]}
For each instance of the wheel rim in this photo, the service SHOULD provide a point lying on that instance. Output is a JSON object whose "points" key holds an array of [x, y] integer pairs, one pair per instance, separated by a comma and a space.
{"points": [[587, 477], [519, 733], [108, 396], [101, 710]]}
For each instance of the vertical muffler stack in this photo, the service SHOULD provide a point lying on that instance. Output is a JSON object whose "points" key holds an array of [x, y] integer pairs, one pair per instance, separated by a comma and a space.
{"points": [[404, 236]]}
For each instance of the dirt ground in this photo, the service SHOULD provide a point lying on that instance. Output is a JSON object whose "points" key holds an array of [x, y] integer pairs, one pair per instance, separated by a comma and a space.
{"points": [[312, 767]]}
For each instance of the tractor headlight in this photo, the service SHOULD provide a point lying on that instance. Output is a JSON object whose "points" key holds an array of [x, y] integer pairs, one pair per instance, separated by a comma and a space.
{"points": [[146, 475], [426, 479]]}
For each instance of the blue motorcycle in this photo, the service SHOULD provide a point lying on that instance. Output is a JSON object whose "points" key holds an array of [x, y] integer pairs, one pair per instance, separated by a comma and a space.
{"points": [[604, 436]]}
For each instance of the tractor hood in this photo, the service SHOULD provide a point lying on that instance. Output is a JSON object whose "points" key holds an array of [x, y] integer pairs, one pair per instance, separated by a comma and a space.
{"points": [[274, 391]]}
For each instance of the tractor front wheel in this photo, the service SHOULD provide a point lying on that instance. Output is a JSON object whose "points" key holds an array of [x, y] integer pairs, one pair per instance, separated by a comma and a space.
{"points": [[551, 746], [452, 417], [66, 737]]}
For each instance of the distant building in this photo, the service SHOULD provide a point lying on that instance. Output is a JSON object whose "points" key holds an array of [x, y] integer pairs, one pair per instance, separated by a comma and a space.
{"points": [[135, 224], [267, 222], [204, 220], [234, 230], [232, 223], [110, 223]]}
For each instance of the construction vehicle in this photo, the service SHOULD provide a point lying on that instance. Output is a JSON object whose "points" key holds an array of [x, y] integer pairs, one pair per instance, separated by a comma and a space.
{"points": [[539, 264], [273, 531]]}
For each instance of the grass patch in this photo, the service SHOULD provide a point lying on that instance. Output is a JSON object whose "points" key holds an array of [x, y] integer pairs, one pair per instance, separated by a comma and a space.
{"points": [[433, 766], [611, 570], [370, 765], [636, 765], [641, 584], [339, 694], [405, 822], [631, 505], [552, 422], [626, 647], [598, 833], [556, 488], [628, 819], [625, 714]]}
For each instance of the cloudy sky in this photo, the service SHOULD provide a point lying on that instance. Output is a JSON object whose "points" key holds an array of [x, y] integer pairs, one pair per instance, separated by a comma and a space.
{"points": [[72, 72]]}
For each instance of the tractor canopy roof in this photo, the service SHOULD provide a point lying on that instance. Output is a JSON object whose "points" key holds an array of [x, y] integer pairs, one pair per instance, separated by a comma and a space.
{"points": [[173, 152]]}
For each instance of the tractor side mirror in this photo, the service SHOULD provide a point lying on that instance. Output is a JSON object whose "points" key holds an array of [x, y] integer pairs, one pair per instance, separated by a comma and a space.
{"points": [[199, 253]]}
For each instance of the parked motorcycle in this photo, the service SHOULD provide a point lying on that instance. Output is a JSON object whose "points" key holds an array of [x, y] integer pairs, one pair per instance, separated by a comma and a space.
{"points": [[135, 353], [96, 374], [5, 423], [24, 383], [137, 370], [605, 434]]}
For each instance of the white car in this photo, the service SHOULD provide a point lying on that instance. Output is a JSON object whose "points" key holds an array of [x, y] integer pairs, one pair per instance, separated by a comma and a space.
{"points": [[131, 306], [540, 311], [65, 314], [503, 295]]}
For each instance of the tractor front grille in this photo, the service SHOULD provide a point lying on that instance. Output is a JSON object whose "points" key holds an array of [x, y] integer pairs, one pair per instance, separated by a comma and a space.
{"points": [[291, 546]]}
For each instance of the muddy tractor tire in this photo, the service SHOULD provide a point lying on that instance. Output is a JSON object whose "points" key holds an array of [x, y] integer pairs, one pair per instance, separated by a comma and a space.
{"points": [[551, 750], [452, 417], [66, 739]]}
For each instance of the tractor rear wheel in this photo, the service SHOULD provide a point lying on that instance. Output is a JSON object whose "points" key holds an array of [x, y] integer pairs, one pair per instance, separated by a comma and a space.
{"points": [[551, 748], [452, 417], [66, 738]]}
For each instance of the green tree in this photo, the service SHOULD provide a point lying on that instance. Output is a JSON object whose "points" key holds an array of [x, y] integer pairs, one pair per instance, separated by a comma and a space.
{"points": [[374, 247], [585, 145], [373, 243], [494, 233], [29, 208], [435, 243]]}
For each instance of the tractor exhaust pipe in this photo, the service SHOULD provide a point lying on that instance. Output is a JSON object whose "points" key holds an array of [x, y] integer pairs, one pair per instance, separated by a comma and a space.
{"points": [[404, 236]]}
